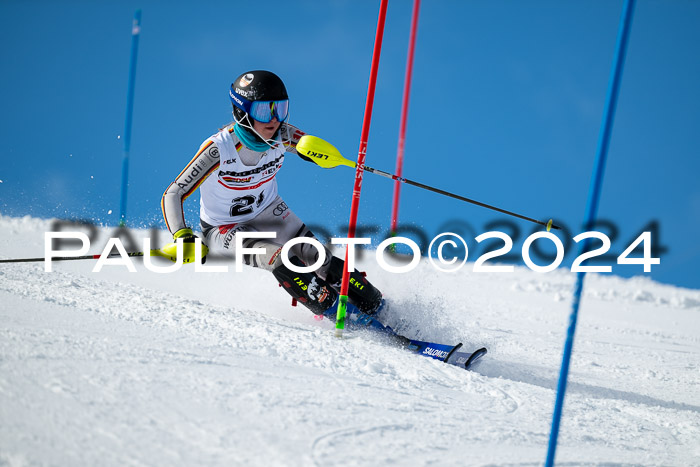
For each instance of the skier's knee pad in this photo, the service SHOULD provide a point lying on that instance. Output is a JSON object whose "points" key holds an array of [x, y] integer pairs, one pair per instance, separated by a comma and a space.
{"points": [[306, 287], [361, 293]]}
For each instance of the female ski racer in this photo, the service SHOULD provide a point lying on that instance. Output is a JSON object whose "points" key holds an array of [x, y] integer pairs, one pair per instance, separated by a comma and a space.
{"points": [[235, 171]]}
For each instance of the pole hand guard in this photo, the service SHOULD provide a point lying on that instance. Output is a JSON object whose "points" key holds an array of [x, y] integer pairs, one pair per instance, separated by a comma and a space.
{"points": [[321, 152]]}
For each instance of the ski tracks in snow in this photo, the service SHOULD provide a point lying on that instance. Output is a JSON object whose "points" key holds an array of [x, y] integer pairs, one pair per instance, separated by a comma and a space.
{"points": [[165, 372]]}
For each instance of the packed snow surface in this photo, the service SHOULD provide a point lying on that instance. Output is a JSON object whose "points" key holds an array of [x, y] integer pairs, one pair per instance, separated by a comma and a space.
{"points": [[118, 368]]}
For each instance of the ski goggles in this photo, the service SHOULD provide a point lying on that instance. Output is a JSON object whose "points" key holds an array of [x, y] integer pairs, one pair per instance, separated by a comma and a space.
{"points": [[263, 111]]}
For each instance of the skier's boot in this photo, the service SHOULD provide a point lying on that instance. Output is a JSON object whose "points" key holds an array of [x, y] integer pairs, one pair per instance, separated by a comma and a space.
{"points": [[361, 293], [323, 299]]}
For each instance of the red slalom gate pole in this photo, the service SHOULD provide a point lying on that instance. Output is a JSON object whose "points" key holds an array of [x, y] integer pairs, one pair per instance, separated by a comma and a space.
{"points": [[404, 116], [362, 153]]}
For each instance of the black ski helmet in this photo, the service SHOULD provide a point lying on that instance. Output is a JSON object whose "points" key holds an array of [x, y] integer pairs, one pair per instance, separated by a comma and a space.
{"points": [[251, 86]]}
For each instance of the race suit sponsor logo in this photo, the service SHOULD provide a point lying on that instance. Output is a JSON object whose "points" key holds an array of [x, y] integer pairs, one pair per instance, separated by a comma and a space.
{"points": [[270, 171], [227, 239], [196, 170], [280, 209], [272, 166], [236, 179]]}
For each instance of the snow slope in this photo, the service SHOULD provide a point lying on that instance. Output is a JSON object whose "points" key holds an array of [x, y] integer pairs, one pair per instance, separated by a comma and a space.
{"points": [[119, 368]]}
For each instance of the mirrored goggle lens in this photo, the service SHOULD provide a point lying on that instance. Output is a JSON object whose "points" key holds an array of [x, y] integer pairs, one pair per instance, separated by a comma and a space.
{"points": [[263, 111]]}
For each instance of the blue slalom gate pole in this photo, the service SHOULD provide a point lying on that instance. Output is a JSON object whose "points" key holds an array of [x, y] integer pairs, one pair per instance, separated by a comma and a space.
{"points": [[591, 211], [135, 32]]}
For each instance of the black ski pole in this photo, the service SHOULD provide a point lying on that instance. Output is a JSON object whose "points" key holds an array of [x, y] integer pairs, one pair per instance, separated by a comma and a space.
{"points": [[549, 224], [324, 154], [71, 258]]}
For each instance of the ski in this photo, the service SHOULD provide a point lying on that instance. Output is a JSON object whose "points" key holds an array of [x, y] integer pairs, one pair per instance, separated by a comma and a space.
{"points": [[466, 359], [447, 353], [432, 349]]}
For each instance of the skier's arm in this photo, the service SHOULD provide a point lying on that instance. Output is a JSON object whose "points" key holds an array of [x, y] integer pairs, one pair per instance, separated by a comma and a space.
{"points": [[204, 163], [292, 134]]}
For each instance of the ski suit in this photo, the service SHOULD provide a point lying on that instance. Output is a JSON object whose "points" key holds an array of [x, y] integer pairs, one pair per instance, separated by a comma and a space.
{"points": [[238, 193]]}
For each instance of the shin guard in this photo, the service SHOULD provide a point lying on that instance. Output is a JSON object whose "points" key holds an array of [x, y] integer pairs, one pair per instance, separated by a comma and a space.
{"points": [[361, 293], [306, 287]]}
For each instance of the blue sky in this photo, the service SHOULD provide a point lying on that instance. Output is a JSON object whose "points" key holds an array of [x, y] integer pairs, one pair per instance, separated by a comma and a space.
{"points": [[506, 106]]}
